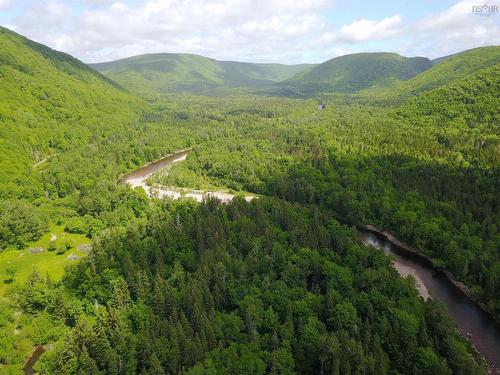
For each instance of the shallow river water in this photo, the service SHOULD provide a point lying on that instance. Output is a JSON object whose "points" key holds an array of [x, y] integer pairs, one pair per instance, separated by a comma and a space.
{"points": [[138, 178], [471, 320]]}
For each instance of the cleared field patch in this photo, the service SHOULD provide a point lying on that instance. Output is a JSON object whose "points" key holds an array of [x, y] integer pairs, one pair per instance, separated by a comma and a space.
{"points": [[17, 265]]}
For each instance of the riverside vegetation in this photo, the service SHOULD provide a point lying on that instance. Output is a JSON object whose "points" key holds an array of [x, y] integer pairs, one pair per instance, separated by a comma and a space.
{"points": [[276, 285]]}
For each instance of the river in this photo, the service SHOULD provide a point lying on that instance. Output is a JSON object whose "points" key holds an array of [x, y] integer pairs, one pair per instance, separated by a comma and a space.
{"points": [[138, 178], [471, 320]]}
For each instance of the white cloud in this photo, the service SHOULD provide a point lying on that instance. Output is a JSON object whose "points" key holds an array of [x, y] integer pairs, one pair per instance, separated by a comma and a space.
{"points": [[452, 30], [247, 30], [363, 30], [227, 29], [455, 29], [455, 17], [44, 19], [5, 4]]}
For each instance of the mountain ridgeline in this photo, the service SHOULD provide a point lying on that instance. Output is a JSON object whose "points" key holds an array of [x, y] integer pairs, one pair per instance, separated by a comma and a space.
{"points": [[170, 72], [445, 71], [383, 76]]}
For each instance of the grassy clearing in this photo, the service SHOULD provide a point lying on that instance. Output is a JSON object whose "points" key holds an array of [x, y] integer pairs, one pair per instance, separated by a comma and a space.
{"points": [[21, 331], [47, 262]]}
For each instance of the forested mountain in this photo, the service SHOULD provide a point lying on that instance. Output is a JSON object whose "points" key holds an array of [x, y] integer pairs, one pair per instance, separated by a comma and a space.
{"points": [[453, 68], [63, 126], [439, 60], [50, 102], [171, 72], [351, 73], [472, 100], [449, 69], [380, 76]]}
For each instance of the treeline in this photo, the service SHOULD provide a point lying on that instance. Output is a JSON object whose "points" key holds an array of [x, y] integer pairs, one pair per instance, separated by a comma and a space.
{"points": [[246, 288]]}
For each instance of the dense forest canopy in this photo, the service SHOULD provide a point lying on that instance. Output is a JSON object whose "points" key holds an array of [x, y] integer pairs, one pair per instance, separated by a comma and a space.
{"points": [[277, 285], [247, 288]]}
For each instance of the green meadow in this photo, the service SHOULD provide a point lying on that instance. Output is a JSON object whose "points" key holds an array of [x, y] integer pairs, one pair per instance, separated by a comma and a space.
{"points": [[46, 262]]}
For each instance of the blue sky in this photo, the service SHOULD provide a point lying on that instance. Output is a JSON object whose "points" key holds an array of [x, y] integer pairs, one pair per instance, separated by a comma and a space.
{"points": [[287, 31]]}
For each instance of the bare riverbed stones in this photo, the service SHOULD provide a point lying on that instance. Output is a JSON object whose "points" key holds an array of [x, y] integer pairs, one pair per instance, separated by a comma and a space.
{"points": [[73, 257], [85, 247], [36, 250], [138, 179]]}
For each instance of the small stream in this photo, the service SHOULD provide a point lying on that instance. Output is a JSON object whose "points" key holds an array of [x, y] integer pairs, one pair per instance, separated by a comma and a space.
{"points": [[471, 320], [33, 358]]}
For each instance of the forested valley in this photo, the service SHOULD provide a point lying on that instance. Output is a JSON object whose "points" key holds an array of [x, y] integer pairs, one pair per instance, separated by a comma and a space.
{"points": [[279, 285]]}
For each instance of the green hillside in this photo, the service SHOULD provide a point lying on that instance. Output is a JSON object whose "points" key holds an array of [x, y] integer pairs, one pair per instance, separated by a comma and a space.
{"points": [[170, 72], [50, 102], [444, 70], [351, 73], [66, 133], [453, 68], [470, 100]]}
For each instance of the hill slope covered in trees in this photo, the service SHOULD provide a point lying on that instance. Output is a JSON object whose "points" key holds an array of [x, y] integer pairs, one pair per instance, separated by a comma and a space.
{"points": [[449, 69], [171, 72], [351, 73], [49, 102], [66, 132], [472, 100]]}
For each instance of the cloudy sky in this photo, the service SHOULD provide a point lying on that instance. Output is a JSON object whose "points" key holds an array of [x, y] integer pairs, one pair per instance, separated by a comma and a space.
{"points": [[287, 31]]}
